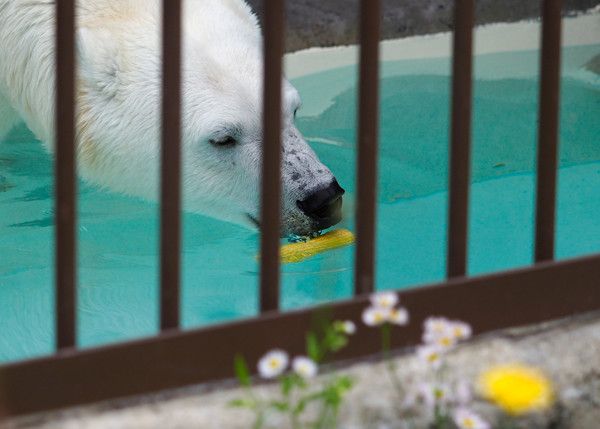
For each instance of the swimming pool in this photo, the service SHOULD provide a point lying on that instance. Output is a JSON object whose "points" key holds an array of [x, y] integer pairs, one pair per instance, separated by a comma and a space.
{"points": [[118, 248]]}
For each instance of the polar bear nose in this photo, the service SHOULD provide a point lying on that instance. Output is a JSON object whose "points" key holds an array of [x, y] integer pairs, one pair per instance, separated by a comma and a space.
{"points": [[324, 206]]}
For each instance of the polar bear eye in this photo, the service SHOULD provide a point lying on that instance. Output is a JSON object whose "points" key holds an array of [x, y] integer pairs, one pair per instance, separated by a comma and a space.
{"points": [[226, 141]]}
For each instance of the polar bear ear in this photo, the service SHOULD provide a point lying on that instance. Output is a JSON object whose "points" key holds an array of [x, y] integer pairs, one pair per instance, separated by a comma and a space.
{"points": [[100, 60]]}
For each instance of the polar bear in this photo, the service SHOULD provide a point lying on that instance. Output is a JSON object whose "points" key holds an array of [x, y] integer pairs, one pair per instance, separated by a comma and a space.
{"points": [[118, 106]]}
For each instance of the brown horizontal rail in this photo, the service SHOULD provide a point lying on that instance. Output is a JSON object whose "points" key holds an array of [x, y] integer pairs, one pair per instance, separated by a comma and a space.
{"points": [[177, 359], [460, 139], [65, 177], [271, 164], [547, 158], [367, 153]]}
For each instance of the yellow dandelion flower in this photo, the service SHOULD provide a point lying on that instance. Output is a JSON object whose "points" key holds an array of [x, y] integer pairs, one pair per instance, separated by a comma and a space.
{"points": [[516, 388]]}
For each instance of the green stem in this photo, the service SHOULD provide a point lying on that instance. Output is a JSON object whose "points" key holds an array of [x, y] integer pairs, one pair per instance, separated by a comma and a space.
{"points": [[394, 379], [508, 422], [385, 339], [322, 419], [437, 416], [260, 409], [328, 419], [260, 419], [390, 364], [294, 419]]}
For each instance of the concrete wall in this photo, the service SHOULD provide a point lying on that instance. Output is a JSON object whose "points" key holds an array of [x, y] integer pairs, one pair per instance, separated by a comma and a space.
{"points": [[334, 22]]}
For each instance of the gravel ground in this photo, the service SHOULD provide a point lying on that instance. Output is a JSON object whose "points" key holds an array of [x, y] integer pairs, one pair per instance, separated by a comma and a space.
{"points": [[568, 351]]}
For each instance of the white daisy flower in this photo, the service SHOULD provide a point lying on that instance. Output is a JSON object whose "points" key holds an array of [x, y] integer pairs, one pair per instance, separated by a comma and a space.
{"points": [[461, 330], [273, 363], [444, 341], [375, 316], [417, 395], [467, 419], [442, 394], [463, 393], [430, 354], [434, 327], [384, 299], [425, 394], [304, 367], [348, 327], [398, 316]]}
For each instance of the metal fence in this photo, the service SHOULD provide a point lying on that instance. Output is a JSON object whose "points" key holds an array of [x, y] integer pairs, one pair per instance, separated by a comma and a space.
{"points": [[174, 358]]}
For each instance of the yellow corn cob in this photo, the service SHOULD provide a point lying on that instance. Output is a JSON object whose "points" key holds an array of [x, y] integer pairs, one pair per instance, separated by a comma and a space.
{"points": [[296, 252]]}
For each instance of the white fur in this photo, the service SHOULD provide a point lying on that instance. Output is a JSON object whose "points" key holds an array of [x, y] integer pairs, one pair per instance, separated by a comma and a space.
{"points": [[118, 100]]}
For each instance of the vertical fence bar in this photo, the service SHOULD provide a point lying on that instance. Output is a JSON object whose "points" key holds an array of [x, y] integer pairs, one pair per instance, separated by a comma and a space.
{"points": [[548, 130], [460, 139], [65, 176], [170, 224], [271, 162], [368, 128]]}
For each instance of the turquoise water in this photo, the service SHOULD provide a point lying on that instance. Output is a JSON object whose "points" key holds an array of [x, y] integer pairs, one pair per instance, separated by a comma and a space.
{"points": [[118, 271]]}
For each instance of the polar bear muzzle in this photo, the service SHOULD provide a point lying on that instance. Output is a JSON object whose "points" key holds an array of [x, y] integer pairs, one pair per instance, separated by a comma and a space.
{"points": [[324, 206], [320, 210]]}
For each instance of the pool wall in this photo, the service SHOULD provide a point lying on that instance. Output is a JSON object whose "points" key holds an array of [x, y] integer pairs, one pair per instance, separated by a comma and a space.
{"points": [[335, 22], [579, 30], [582, 29]]}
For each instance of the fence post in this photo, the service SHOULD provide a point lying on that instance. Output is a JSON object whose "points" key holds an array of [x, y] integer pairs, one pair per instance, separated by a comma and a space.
{"points": [[65, 176], [460, 139], [368, 130], [170, 207], [548, 130], [270, 218]]}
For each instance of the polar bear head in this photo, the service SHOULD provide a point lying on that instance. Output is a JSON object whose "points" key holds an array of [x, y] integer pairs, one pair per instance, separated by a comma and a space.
{"points": [[118, 115]]}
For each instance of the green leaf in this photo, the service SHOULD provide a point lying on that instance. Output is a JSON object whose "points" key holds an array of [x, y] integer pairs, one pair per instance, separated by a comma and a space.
{"points": [[300, 407], [243, 403], [289, 381], [312, 347], [287, 384], [344, 383], [334, 393], [332, 397], [329, 335], [241, 371], [280, 406], [260, 420], [300, 382], [337, 342], [315, 396]]}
